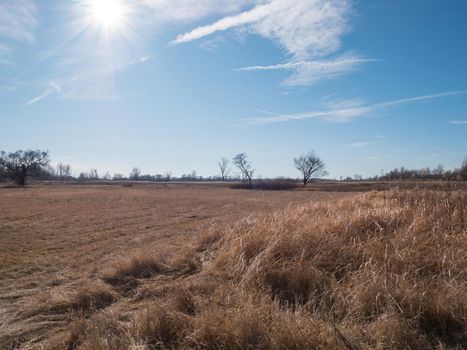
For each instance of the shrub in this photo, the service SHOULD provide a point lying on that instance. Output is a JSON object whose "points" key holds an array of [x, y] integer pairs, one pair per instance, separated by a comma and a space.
{"points": [[268, 185]]}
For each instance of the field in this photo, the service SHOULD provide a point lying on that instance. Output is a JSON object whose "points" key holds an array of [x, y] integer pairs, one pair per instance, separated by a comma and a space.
{"points": [[184, 266]]}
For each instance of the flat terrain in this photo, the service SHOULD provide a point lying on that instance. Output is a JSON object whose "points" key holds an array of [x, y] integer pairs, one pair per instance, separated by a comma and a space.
{"points": [[56, 238]]}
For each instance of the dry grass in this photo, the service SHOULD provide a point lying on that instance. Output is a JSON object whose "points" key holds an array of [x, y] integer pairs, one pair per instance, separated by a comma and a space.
{"points": [[58, 240], [388, 270], [382, 270]]}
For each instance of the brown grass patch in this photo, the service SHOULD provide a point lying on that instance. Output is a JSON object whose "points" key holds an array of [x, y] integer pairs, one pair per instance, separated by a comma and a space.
{"points": [[160, 328], [384, 270]]}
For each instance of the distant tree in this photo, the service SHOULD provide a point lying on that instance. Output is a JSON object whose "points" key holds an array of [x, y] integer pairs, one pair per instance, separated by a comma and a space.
{"points": [[3, 173], [83, 176], [358, 177], [135, 174], [310, 165], [224, 168], [168, 176], [439, 171], [118, 177], [20, 164], [463, 170], [242, 163], [107, 176], [63, 171], [93, 175]]}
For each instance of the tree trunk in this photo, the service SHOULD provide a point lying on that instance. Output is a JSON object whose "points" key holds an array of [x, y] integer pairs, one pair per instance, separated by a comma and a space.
{"points": [[21, 176]]}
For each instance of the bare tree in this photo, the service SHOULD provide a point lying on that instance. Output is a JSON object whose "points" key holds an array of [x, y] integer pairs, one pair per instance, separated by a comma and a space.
{"points": [[135, 174], [224, 168], [20, 164], [93, 175], [463, 170], [439, 170], [310, 165], [242, 163], [63, 171]]}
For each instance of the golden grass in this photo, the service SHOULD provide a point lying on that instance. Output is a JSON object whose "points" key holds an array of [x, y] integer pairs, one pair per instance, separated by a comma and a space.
{"points": [[56, 240], [382, 270]]}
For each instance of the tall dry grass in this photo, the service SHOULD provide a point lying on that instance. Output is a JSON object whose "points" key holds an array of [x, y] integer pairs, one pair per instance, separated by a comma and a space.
{"points": [[383, 270]]}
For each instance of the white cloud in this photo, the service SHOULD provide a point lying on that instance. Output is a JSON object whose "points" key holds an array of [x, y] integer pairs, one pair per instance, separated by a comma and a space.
{"points": [[309, 72], [51, 88], [421, 98], [94, 77], [4, 49], [307, 28], [308, 31], [17, 23], [254, 15], [163, 11], [17, 20], [458, 121], [346, 110], [5, 53], [360, 144]]}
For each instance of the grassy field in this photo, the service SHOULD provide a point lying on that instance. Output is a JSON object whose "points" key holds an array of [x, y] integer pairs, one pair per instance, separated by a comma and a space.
{"points": [[208, 267], [57, 240]]}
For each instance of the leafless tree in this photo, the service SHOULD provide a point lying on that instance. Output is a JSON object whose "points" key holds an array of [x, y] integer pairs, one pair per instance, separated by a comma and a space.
{"points": [[242, 163], [310, 165], [93, 175], [20, 164], [439, 170], [135, 174], [224, 168], [63, 171], [463, 170]]}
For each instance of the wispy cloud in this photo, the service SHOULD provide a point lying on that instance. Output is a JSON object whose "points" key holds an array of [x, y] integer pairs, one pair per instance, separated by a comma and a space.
{"points": [[360, 144], [17, 18], [309, 72], [458, 122], [254, 15], [421, 98], [51, 88], [5, 54], [347, 110], [17, 23], [308, 30], [163, 11]]}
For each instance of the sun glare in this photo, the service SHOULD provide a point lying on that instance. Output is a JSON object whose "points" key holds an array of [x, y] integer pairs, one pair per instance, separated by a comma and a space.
{"points": [[108, 14]]}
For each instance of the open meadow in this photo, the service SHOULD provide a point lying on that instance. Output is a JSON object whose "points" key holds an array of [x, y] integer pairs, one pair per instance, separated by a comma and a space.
{"points": [[185, 266], [56, 241]]}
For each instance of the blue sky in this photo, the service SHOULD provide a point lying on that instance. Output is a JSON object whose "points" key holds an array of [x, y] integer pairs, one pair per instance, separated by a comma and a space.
{"points": [[173, 85]]}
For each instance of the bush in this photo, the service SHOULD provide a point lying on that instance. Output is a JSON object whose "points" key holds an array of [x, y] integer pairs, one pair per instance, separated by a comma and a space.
{"points": [[267, 185]]}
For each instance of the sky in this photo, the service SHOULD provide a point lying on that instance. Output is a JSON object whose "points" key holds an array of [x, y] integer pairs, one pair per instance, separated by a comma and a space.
{"points": [[174, 85]]}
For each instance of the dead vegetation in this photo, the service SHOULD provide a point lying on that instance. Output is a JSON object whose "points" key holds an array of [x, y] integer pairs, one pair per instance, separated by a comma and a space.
{"points": [[382, 270]]}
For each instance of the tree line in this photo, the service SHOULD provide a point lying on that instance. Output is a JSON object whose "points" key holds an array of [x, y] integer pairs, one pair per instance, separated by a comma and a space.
{"points": [[20, 165], [439, 173]]}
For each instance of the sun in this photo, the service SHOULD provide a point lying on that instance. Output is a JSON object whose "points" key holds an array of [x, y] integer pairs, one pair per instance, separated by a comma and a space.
{"points": [[108, 14]]}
